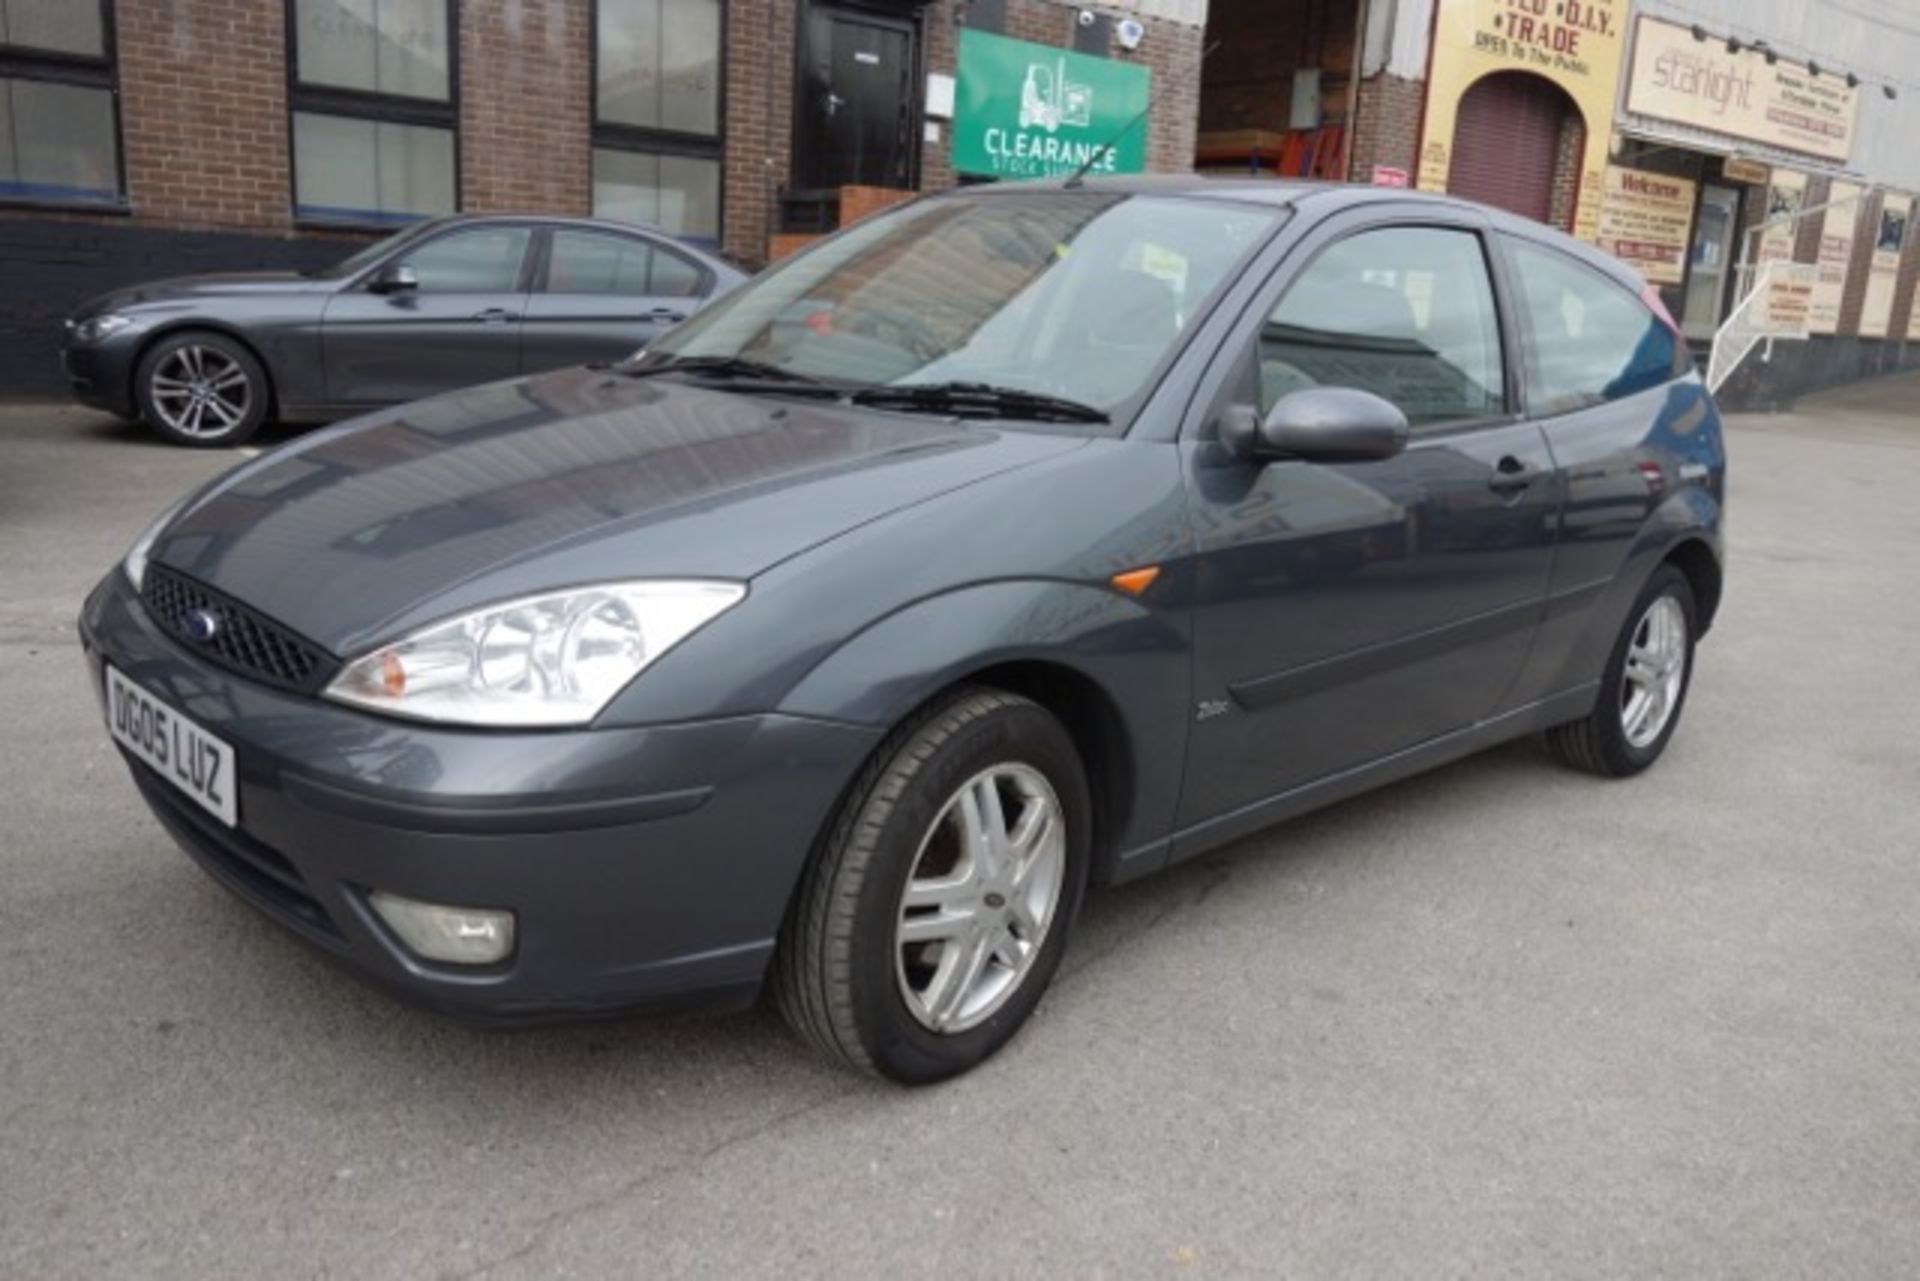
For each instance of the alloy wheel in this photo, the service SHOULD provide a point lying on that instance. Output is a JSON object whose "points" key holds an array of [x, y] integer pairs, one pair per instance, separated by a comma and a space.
{"points": [[201, 391], [983, 891], [1656, 668]]}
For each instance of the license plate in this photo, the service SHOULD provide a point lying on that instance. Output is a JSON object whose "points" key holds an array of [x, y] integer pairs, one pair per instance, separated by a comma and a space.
{"points": [[178, 750]]}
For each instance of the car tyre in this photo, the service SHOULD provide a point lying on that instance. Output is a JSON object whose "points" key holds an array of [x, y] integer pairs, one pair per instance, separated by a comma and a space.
{"points": [[851, 974], [202, 389], [1644, 687]]}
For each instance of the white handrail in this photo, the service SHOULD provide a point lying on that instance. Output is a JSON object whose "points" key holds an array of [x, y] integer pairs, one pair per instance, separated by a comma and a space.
{"points": [[1741, 330]]}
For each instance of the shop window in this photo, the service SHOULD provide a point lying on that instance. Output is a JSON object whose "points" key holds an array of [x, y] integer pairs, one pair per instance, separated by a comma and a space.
{"points": [[374, 111], [59, 128], [1405, 312], [1592, 340], [657, 113]]}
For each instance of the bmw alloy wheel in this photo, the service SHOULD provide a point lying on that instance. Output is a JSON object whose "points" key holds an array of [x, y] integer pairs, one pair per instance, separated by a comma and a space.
{"points": [[199, 391]]}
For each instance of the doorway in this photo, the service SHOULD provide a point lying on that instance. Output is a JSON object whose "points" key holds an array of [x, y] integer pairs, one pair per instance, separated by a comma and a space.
{"points": [[854, 110], [1708, 259], [1516, 142]]}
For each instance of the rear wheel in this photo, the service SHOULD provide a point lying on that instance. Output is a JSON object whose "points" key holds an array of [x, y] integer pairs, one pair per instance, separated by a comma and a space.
{"points": [[1644, 687], [938, 906], [201, 388]]}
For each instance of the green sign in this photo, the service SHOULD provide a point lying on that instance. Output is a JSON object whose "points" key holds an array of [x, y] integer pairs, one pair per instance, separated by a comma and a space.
{"points": [[1026, 110]]}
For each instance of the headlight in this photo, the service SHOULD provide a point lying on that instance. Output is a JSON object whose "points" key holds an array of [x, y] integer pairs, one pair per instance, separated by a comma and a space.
{"points": [[556, 659], [135, 564], [96, 328]]}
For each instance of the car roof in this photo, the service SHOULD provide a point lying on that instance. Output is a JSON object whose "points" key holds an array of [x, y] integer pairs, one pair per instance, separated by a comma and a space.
{"points": [[706, 254], [1322, 198]]}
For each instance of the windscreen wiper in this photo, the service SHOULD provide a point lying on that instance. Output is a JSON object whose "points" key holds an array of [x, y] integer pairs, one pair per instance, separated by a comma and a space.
{"points": [[719, 368], [980, 400]]}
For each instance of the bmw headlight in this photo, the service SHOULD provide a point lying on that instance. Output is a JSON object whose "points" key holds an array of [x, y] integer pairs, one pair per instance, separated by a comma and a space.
{"points": [[99, 328], [135, 563], [553, 659]]}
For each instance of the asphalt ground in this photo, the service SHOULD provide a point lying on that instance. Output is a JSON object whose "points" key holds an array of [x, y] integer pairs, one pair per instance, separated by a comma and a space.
{"points": [[1504, 1018]]}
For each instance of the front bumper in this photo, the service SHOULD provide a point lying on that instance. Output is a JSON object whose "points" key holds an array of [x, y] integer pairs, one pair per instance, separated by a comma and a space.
{"points": [[101, 374], [647, 866]]}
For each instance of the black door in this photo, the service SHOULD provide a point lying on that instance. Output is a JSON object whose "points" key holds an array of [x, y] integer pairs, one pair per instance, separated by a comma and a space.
{"points": [[855, 113], [1348, 612], [459, 326]]}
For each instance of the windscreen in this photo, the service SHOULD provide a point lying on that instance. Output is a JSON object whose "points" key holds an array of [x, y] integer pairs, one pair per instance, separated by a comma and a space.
{"points": [[1077, 294]]}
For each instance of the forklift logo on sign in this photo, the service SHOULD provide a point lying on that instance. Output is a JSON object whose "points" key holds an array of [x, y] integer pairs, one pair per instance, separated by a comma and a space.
{"points": [[1025, 110], [1048, 99]]}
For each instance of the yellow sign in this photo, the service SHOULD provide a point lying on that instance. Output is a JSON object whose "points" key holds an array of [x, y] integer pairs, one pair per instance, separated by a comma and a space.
{"points": [[1883, 270], [1786, 194], [1699, 83], [1574, 43], [1740, 169], [1836, 256], [1787, 306], [1645, 221]]}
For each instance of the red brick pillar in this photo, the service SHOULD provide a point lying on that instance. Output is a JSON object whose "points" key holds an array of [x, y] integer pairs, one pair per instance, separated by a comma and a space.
{"points": [[203, 87], [526, 106]]}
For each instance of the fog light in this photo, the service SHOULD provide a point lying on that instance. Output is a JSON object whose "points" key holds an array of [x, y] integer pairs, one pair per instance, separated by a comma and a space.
{"points": [[456, 935]]}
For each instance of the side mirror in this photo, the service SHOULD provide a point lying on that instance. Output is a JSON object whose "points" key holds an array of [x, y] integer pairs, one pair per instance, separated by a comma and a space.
{"points": [[394, 278], [1318, 425]]}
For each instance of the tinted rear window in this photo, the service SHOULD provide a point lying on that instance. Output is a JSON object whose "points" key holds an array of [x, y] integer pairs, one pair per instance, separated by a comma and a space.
{"points": [[1590, 339]]}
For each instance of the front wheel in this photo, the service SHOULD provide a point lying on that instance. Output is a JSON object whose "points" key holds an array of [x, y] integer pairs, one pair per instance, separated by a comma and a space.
{"points": [[201, 388], [937, 908], [1644, 687]]}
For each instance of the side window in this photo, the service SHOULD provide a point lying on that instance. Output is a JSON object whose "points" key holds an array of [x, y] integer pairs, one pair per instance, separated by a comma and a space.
{"points": [[675, 277], [590, 262], [1405, 312], [484, 261], [1592, 340]]}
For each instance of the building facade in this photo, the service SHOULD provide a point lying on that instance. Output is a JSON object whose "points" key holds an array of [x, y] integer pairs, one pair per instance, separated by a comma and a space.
{"points": [[1700, 140], [144, 138]]}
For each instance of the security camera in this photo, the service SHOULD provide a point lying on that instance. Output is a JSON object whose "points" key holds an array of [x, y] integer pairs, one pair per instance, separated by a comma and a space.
{"points": [[1130, 33], [1088, 17]]}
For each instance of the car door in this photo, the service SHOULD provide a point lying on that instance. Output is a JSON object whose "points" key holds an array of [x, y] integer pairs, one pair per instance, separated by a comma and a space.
{"points": [[1347, 612], [457, 326], [603, 295]]}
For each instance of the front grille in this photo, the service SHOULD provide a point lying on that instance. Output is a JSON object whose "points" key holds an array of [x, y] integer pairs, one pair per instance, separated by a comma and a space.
{"points": [[243, 640]]}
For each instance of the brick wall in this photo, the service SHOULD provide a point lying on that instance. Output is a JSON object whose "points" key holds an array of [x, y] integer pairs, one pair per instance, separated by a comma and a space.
{"points": [[1569, 150], [1866, 220], [1386, 126], [203, 87], [759, 124], [525, 106]]}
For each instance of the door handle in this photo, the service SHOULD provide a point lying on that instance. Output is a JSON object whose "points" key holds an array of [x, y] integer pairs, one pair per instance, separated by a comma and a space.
{"points": [[493, 316], [667, 314], [1510, 476]]}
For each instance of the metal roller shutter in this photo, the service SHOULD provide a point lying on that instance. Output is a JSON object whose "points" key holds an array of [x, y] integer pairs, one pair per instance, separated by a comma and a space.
{"points": [[1505, 140]]}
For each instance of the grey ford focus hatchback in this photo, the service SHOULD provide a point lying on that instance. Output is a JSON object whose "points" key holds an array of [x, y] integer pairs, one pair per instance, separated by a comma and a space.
{"points": [[1005, 543]]}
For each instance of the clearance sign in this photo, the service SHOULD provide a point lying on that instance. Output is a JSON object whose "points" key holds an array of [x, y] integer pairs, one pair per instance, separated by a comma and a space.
{"points": [[1577, 44], [1025, 110]]}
